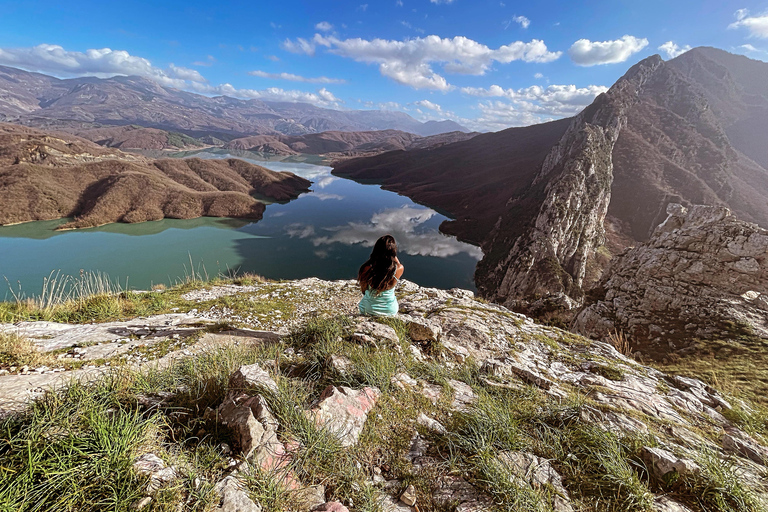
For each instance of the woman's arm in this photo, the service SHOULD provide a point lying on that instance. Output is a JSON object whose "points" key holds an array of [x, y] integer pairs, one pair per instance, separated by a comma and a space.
{"points": [[400, 268]]}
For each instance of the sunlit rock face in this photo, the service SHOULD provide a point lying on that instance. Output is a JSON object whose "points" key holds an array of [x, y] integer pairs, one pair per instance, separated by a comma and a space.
{"points": [[703, 274], [551, 256]]}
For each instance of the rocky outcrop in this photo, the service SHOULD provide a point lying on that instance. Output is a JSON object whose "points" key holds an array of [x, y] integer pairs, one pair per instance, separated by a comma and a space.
{"points": [[551, 256], [703, 274], [551, 392]]}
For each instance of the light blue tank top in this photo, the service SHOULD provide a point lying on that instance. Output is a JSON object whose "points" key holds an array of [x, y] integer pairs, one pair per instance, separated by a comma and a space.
{"points": [[378, 303]]}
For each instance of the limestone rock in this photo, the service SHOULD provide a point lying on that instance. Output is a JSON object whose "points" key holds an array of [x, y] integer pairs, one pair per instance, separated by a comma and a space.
{"points": [[537, 473], [367, 331], [251, 376], [457, 492], [740, 443], [153, 466], [309, 498], [703, 274], [234, 498], [331, 506], [344, 410], [409, 496], [422, 329], [661, 463], [463, 396], [430, 423]]}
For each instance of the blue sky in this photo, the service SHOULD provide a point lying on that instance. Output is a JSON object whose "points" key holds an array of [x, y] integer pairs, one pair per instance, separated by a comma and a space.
{"points": [[488, 64]]}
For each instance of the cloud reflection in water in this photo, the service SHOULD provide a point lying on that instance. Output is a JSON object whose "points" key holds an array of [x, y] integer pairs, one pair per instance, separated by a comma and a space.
{"points": [[405, 224]]}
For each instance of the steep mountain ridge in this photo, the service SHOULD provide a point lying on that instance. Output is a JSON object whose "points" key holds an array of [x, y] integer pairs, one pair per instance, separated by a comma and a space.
{"points": [[662, 134], [42, 101]]}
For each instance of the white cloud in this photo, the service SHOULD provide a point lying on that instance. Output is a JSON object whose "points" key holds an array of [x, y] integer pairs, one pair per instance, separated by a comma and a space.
{"points": [[590, 53], [205, 63], [323, 97], [324, 26], [104, 62], [522, 20], [297, 78], [673, 50], [301, 45], [538, 76], [441, 1], [273, 58], [428, 104], [185, 73], [756, 25], [399, 3], [406, 224], [529, 105], [410, 62]]}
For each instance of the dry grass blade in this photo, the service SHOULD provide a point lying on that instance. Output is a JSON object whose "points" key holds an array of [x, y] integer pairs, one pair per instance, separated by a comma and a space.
{"points": [[620, 342]]}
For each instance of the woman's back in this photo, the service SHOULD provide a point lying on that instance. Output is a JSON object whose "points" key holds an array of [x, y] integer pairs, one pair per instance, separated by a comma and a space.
{"points": [[378, 277]]}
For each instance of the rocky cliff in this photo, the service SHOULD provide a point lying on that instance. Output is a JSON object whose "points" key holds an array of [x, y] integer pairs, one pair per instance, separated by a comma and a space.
{"points": [[551, 256], [455, 405], [702, 275], [685, 131]]}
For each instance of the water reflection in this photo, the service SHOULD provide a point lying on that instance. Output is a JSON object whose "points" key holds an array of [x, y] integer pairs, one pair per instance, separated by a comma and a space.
{"points": [[404, 223]]}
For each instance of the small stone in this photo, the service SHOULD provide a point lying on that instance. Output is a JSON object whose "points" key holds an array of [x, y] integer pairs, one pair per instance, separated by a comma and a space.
{"points": [[661, 463], [143, 502], [341, 364], [344, 410], [309, 498], [331, 506], [251, 376], [409, 496], [432, 424]]}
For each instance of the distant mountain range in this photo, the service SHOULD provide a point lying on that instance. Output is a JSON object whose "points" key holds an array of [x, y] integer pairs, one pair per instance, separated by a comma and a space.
{"points": [[42, 101], [551, 204]]}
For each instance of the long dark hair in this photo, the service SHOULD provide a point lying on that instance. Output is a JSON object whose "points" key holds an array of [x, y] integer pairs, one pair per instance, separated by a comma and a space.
{"points": [[378, 273]]}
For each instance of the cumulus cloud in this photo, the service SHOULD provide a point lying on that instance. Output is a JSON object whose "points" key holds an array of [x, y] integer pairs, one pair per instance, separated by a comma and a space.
{"points": [[522, 20], [297, 78], [104, 62], [322, 97], [673, 50], [756, 25], [406, 224], [410, 62], [301, 45], [590, 53], [324, 26], [185, 73], [428, 104], [529, 105]]}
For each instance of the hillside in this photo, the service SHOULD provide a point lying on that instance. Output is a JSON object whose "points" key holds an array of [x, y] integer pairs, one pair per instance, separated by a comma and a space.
{"points": [[689, 131], [251, 395], [46, 176], [341, 145], [76, 104]]}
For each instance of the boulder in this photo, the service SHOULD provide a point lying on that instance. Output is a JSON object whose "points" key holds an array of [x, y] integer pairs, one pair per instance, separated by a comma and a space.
{"points": [[661, 463], [537, 472], [250, 377], [703, 274], [234, 498], [422, 329], [343, 410]]}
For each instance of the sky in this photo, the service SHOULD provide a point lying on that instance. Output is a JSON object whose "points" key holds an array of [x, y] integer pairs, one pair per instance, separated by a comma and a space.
{"points": [[487, 64]]}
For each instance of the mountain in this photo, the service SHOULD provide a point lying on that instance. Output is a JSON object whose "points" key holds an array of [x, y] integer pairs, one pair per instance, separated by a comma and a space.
{"points": [[339, 145], [43, 101], [551, 204], [47, 176]]}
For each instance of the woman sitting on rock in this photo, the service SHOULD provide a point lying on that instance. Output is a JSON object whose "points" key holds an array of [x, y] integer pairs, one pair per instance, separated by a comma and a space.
{"points": [[378, 277]]}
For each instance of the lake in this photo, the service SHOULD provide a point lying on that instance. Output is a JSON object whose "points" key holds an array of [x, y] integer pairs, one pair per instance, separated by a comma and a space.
{"points": [[327, 233]]}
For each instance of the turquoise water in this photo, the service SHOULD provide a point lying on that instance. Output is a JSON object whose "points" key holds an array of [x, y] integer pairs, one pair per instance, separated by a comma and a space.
{"points": [[326, 233]]}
